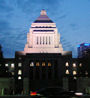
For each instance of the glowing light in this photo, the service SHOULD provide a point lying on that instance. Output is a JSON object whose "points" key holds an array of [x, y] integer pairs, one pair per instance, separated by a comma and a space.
{"points": [[80, 64], [74, 72], [86, 44], [37, 64], [31, 64], [74, 65], [78, 93], [75, 78], [43, 64], [12, 65], [49, 64], [19, 64], [33, 93], [6, 65], [19, 78], [67, 64], [67, 71], [19, 72]]}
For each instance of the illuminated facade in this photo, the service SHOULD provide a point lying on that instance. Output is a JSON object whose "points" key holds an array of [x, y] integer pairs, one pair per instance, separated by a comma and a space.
{"points": [[43, 56]]}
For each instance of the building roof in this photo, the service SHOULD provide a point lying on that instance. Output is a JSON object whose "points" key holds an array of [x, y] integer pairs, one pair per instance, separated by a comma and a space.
{"points": [[43, 18]]}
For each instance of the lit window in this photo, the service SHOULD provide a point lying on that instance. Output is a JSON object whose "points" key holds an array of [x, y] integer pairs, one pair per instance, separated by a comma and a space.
{"points": [[74, 65], [43, 63], [49, 64], [74, 72], [19, 78], [31, 64], [20, 58], [67, 64], [37, 64], [75, 78], [19, 72], [12, 65], [12, 73], [19, 64], [67, 71], [80, 64], [86, 73], [6, 65], [0, 64]]}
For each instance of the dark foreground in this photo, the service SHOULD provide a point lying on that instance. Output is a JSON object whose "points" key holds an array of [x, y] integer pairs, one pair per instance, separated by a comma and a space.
{"points": [[19, 96]]}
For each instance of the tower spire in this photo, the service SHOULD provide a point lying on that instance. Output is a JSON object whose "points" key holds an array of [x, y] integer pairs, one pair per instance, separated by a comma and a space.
{"points": [[43, 12]]}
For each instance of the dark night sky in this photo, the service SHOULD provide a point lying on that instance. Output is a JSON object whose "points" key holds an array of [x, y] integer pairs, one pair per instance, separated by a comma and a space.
{"points": [[72, 18]]}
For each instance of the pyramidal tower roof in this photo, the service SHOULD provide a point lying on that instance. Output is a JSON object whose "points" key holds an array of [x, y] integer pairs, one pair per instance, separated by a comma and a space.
{"points": [[43, 18]]}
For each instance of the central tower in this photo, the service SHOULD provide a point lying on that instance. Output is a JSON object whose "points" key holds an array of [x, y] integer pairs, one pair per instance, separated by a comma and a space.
{"points": [[42, 62], [43, 36]]}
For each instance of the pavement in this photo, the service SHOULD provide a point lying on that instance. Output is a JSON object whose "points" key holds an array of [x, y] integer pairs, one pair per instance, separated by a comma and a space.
{"points": [[26, 96]]}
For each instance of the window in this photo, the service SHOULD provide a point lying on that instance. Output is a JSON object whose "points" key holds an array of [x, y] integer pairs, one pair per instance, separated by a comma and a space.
{"points": [[6, 65], [12, 73], [43, 63], [75, 78], [19, 78], [31, 64], [46, 40], [37, 40], [49, 40], [86, 73], [49, 64], [19, 58], [19, 64], [12, 65], [37, 64], [43, 40], [74, 72], [67, 71], [80, 64], [67, 64], [74, 65], [0, 64], [40, 40], [19, 72]]}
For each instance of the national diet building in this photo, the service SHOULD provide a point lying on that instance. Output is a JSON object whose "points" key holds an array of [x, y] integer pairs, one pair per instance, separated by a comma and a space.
{"points": [[43, 59]]}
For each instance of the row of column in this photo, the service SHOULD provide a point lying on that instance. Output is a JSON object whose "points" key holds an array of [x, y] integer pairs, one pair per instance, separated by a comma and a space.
{"points": [[43, 40]]}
